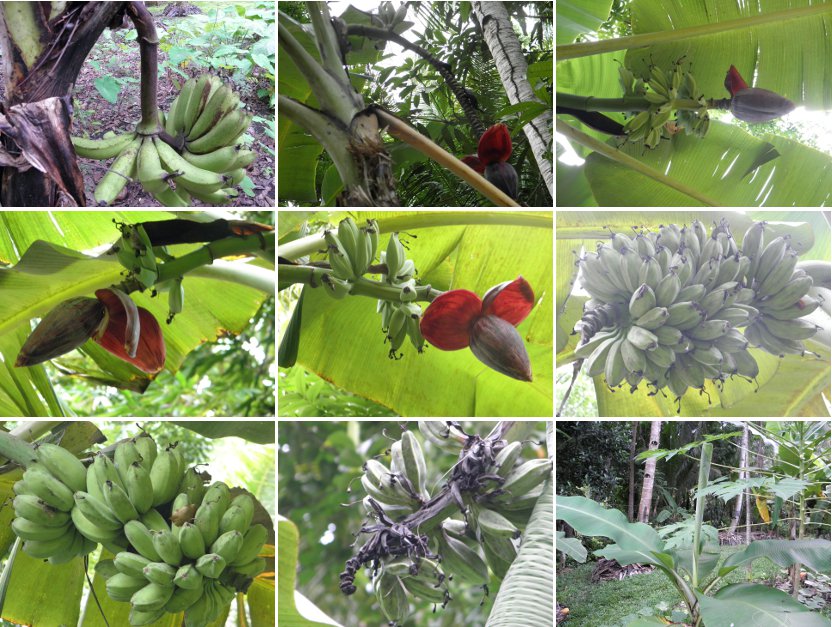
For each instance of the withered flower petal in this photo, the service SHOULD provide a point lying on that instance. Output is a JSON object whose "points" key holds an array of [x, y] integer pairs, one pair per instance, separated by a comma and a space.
{"points": [[66, 327], [498, 345]]}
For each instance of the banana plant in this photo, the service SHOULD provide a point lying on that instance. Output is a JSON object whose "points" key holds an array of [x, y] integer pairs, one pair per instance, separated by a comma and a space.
{"points": [[693, 567]]}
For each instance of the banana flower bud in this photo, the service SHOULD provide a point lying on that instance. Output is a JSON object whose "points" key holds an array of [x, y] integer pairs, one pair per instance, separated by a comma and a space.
{"points": [[753, 104], [458, 319], [111, 319]]}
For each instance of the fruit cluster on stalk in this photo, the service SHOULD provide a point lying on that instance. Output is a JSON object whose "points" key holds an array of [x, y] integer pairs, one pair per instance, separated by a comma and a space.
{"points": [[195, 560], [462, 531], [667, 306]]}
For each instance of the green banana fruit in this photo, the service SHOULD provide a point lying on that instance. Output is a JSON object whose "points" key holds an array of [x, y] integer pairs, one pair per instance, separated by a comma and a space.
{"points": [[104, 148], [139, 487], [131, 564], [167, 546], [141, 539], [63, 464], [210, 565], [41, 483], [32, 508]]}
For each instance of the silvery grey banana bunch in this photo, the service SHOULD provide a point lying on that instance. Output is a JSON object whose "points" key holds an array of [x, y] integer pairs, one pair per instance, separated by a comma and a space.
{"points": [[194, 558], [667, 305], [461, 530]]}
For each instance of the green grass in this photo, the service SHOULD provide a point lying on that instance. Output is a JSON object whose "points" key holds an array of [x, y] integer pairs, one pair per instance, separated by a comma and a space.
{"points": [[606, 604]]}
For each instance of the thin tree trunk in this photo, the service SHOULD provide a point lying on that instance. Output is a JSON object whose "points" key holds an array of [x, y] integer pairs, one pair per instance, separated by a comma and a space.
{"points": [[649, 473], [735, 519], [507, 51], [631, 497]]}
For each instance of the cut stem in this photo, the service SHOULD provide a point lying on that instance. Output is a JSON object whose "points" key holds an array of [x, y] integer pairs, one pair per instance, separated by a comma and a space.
{"points": [[148, 49]]}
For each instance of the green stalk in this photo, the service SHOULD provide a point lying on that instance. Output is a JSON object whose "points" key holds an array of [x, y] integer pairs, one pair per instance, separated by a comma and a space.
{"points": [[573, 51], [313, 276], [16, 449], [704, 472], [624, 104], [206, 255], [631, 162]]}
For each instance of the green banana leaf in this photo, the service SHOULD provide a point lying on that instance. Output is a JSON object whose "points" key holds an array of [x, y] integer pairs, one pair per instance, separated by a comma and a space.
{"points": [[635, 542], [578, 18], [51, 270], [811, 553], [571, 546], [757, 605], [788, 56], [342, 341], [525, 596], [287, 559]]}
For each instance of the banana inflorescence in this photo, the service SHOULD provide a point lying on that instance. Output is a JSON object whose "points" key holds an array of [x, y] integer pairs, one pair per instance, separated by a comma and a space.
{"points": [[350, 252], [205, 117], [663, 89], [495, 490], [667, 306], [193, 561]]}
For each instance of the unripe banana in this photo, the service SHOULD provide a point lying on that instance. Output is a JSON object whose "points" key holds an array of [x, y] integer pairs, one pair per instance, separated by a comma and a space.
{"points": [[192, 485], [44, 549], [146, 447], [121, 587], [191, 541], [29, 530], [392, 597], [141, 539], [207, 520], [253, 542], [90, 530], [154, 521], [506, 458], [527, 476], [139, 487], [252, 568], [188, 577], [493, 523], [119, 502], [211, 565], [165, 475], [159, 573], [41, 483], [105, 471], [130, 563], [124, 455], [235, 518], [339, 259], [151, 597], [62, 464], [32, 508], [183, 598], [443, 435], [228, 545], [395, 257], [461, 561], [414, 462], [499, 553], [167, 546], [138, 617], [96, 511], [218, 492]]}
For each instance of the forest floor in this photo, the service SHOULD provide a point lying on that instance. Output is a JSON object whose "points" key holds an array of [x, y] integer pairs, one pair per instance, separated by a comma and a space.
{"points": [[116, 55], [616, 603]]}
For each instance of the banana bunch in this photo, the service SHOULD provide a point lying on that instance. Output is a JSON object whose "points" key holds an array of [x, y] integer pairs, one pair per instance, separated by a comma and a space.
{"points": [[43, 504], [194, 561], [206, 117], [350, 252], [497, 508], [667, 306], [660, 88], [400, 320]]}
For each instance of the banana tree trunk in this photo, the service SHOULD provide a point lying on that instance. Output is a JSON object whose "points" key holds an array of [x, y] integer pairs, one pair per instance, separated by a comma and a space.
{"points": [[649, 474], [743, 474], [44, 46]]}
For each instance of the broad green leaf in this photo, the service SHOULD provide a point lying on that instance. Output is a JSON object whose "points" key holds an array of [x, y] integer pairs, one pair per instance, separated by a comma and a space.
{"points": [[287, 560], [258, 431], [811, 553], [646, 621], [579, 17], [589, 518], [525, 596], [783, 488], [757, 605], [626, 557], [571, 546]]}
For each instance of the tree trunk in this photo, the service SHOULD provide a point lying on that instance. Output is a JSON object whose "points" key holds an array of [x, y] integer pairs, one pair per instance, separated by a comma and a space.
{"points": [[43, 52], [631, 497], [507, 51], [735, 519], [649, 473]]}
